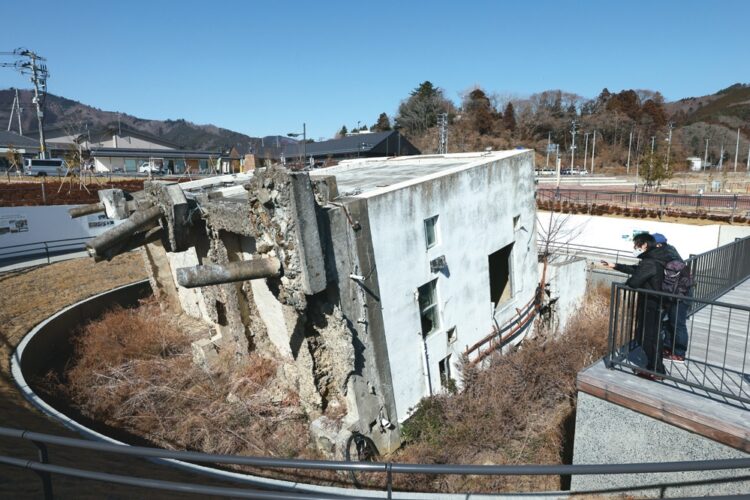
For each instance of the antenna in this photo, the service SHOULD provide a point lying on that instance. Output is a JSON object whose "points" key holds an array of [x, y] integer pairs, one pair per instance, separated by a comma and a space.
{"points": [[16, 107]]}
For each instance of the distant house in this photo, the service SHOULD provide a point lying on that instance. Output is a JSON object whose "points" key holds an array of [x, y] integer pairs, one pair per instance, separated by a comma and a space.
{"points": [[118, 148], [19, 143], [696, 163], [367, 145]]}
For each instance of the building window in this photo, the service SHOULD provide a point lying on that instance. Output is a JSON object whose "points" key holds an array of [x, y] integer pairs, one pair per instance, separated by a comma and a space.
{"points": [[428, 307], [446, 381], [430, 231], [451, 335], [501, 287]]}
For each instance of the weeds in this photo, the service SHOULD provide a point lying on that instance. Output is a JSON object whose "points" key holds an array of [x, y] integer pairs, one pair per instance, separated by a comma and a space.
{"points": [[513, 412], [133, 370]]}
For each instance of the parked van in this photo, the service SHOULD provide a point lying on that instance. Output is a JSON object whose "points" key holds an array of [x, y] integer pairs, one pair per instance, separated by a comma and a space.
{"points": [[41, 168]]}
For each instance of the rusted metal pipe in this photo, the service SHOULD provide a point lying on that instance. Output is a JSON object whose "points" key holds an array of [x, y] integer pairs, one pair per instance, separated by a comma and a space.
{"points": [[135, 241], [139, 221], [92, 208], [216, 274]]}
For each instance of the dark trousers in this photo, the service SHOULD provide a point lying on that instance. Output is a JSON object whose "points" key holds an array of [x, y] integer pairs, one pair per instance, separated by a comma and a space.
{"points": [[675, 329], [648, 332]]}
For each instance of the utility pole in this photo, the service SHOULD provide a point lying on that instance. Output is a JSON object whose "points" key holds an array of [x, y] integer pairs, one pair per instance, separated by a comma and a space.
{"points": [[637, 156], [737, 150], [443, 131], [669, 144], [586, 149], [705, 156], [593, 152], [32, 65], [721, 156], [630, 143], [573, 147], [549, 141]]}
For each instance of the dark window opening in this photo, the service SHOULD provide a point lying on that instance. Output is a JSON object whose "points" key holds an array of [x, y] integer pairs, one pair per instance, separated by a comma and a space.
{"points": [[444, 366], [430, 231], [221, 313], [428, 309], [501, 288], [451, 335]]}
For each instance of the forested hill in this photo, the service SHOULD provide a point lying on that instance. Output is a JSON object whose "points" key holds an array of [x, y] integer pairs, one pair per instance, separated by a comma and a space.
{"points": [[60, 111]]}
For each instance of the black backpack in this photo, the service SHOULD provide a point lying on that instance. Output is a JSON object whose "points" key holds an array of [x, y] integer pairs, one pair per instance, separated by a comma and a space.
{"points": [[677, 279]]}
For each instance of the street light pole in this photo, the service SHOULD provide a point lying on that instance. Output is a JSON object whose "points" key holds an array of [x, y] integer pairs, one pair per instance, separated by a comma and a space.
{"points": [[304, 142]]}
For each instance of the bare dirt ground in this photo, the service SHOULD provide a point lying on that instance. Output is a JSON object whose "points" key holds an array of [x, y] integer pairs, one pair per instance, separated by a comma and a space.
{"points": [[26, 298]]}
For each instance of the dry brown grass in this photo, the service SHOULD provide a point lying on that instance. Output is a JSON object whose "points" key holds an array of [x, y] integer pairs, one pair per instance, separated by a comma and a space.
{"points": [[517, 411], [133, 370]]}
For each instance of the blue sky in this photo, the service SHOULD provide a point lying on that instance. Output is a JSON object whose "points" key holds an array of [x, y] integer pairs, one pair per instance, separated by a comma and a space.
{"points": [[264, 68]]}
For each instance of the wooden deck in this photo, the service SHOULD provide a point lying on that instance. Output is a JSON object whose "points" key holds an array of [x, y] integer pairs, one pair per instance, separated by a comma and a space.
{"points": [[718, 338]]}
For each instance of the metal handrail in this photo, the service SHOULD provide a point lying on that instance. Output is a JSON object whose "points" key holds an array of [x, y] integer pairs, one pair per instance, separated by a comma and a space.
{"points": [[578, 248], [49, 247], [726, 201], [44, 469], [630, 327]]}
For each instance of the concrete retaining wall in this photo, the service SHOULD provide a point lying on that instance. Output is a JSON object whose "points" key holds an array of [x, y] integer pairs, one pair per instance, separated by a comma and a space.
{"points": [[607, 433], [616, 232]]}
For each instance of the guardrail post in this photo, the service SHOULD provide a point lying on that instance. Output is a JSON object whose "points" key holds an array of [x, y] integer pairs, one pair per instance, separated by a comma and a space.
{"points": [[46, 479], [389, 479], [46, 251]]}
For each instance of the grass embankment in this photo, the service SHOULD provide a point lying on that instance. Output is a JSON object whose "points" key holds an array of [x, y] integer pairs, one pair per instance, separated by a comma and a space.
{"points": [[133, 370]]}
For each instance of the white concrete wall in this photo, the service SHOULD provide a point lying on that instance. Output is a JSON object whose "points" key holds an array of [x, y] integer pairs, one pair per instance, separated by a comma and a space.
{"points": [[49, 223], [607, 433], [567, 281], [475, 208], [108, 164], [617, 232]]}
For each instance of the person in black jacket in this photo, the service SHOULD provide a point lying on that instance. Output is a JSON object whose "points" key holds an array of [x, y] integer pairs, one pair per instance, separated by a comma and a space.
{"points": [[647, 275], [675, 331]]}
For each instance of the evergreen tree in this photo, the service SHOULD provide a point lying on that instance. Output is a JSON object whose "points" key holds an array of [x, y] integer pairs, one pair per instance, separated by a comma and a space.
{"points": [[480, 112], [342, 132], [419, 112], [509, 117], [383, 124]]}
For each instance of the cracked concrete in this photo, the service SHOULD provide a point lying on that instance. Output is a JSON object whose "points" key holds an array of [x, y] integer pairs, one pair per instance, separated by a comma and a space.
{"points": [[308, 318]]}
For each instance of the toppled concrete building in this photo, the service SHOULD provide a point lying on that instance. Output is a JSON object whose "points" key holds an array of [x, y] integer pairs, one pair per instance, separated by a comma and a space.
{"points": [[368, 280]]}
